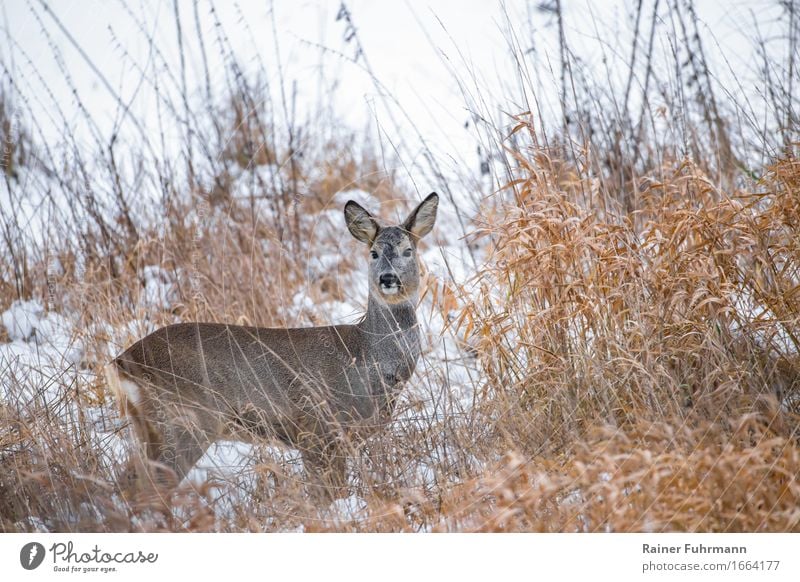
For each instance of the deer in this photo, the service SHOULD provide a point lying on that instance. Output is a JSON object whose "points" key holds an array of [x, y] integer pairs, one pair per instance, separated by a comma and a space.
{"points": [[315, 389]]}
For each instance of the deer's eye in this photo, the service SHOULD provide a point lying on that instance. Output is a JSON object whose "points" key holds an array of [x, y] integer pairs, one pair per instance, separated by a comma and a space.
{"points": [[373, 254], [407, 253]]}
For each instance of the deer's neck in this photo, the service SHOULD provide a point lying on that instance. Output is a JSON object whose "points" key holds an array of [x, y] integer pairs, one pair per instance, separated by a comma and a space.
{"points": [[391, 347], [382, 320]]}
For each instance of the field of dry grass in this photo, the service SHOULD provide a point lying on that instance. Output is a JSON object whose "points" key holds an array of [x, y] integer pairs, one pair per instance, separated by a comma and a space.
{"points": [[612, 332]]}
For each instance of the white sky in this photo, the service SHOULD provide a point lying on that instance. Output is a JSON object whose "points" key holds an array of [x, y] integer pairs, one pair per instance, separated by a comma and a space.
{"points": [[409, 45]]}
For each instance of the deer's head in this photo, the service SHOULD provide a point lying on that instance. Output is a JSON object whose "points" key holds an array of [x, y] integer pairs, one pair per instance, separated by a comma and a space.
{"points": [[393, 268]]}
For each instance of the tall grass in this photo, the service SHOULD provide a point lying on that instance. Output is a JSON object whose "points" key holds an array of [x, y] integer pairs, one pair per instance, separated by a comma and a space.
{"points": [[648, 358]]}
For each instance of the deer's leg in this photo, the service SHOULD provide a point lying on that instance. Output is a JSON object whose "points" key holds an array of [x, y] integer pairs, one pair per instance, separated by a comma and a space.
{"points": [[325, 461], [174, 439], [181, 449]]}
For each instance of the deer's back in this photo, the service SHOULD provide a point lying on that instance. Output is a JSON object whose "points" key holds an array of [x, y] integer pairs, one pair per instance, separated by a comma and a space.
{"points": [[253, 373]]}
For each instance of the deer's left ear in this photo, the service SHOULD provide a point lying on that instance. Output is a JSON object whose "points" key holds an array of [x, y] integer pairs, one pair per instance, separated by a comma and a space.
{"points": [[420, 221]]}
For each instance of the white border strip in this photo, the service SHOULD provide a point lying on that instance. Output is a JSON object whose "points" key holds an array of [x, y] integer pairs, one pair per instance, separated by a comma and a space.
{"points": [[406, 557]]}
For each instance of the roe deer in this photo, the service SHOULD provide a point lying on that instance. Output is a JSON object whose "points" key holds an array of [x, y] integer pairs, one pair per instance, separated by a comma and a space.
{"points": [[187, 385]]}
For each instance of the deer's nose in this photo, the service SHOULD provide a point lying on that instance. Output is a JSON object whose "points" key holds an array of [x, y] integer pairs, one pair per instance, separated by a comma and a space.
{"points": [[389, 280]]}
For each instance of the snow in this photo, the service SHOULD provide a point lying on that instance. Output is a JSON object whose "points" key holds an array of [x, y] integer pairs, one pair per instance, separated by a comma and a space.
{"points": [[21, 318], [348, 509], [41, 367], [159, 290], [362, 197], [44, 346]]}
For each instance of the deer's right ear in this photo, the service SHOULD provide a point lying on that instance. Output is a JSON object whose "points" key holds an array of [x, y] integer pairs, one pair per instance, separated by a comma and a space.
{"points": [[360, 222]]}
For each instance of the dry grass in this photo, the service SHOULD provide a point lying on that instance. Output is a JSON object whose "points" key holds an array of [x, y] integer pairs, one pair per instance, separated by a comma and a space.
{"points": [[672, 331], [639, 373], [649, 478]]}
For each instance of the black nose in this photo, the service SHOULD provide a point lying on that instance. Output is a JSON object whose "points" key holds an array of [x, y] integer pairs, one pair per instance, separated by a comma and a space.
{"points": [[389, 280]]}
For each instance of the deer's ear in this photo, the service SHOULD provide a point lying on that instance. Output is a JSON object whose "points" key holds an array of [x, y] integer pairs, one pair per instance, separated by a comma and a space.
{"points": [[420, 221], [360, 222]]}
